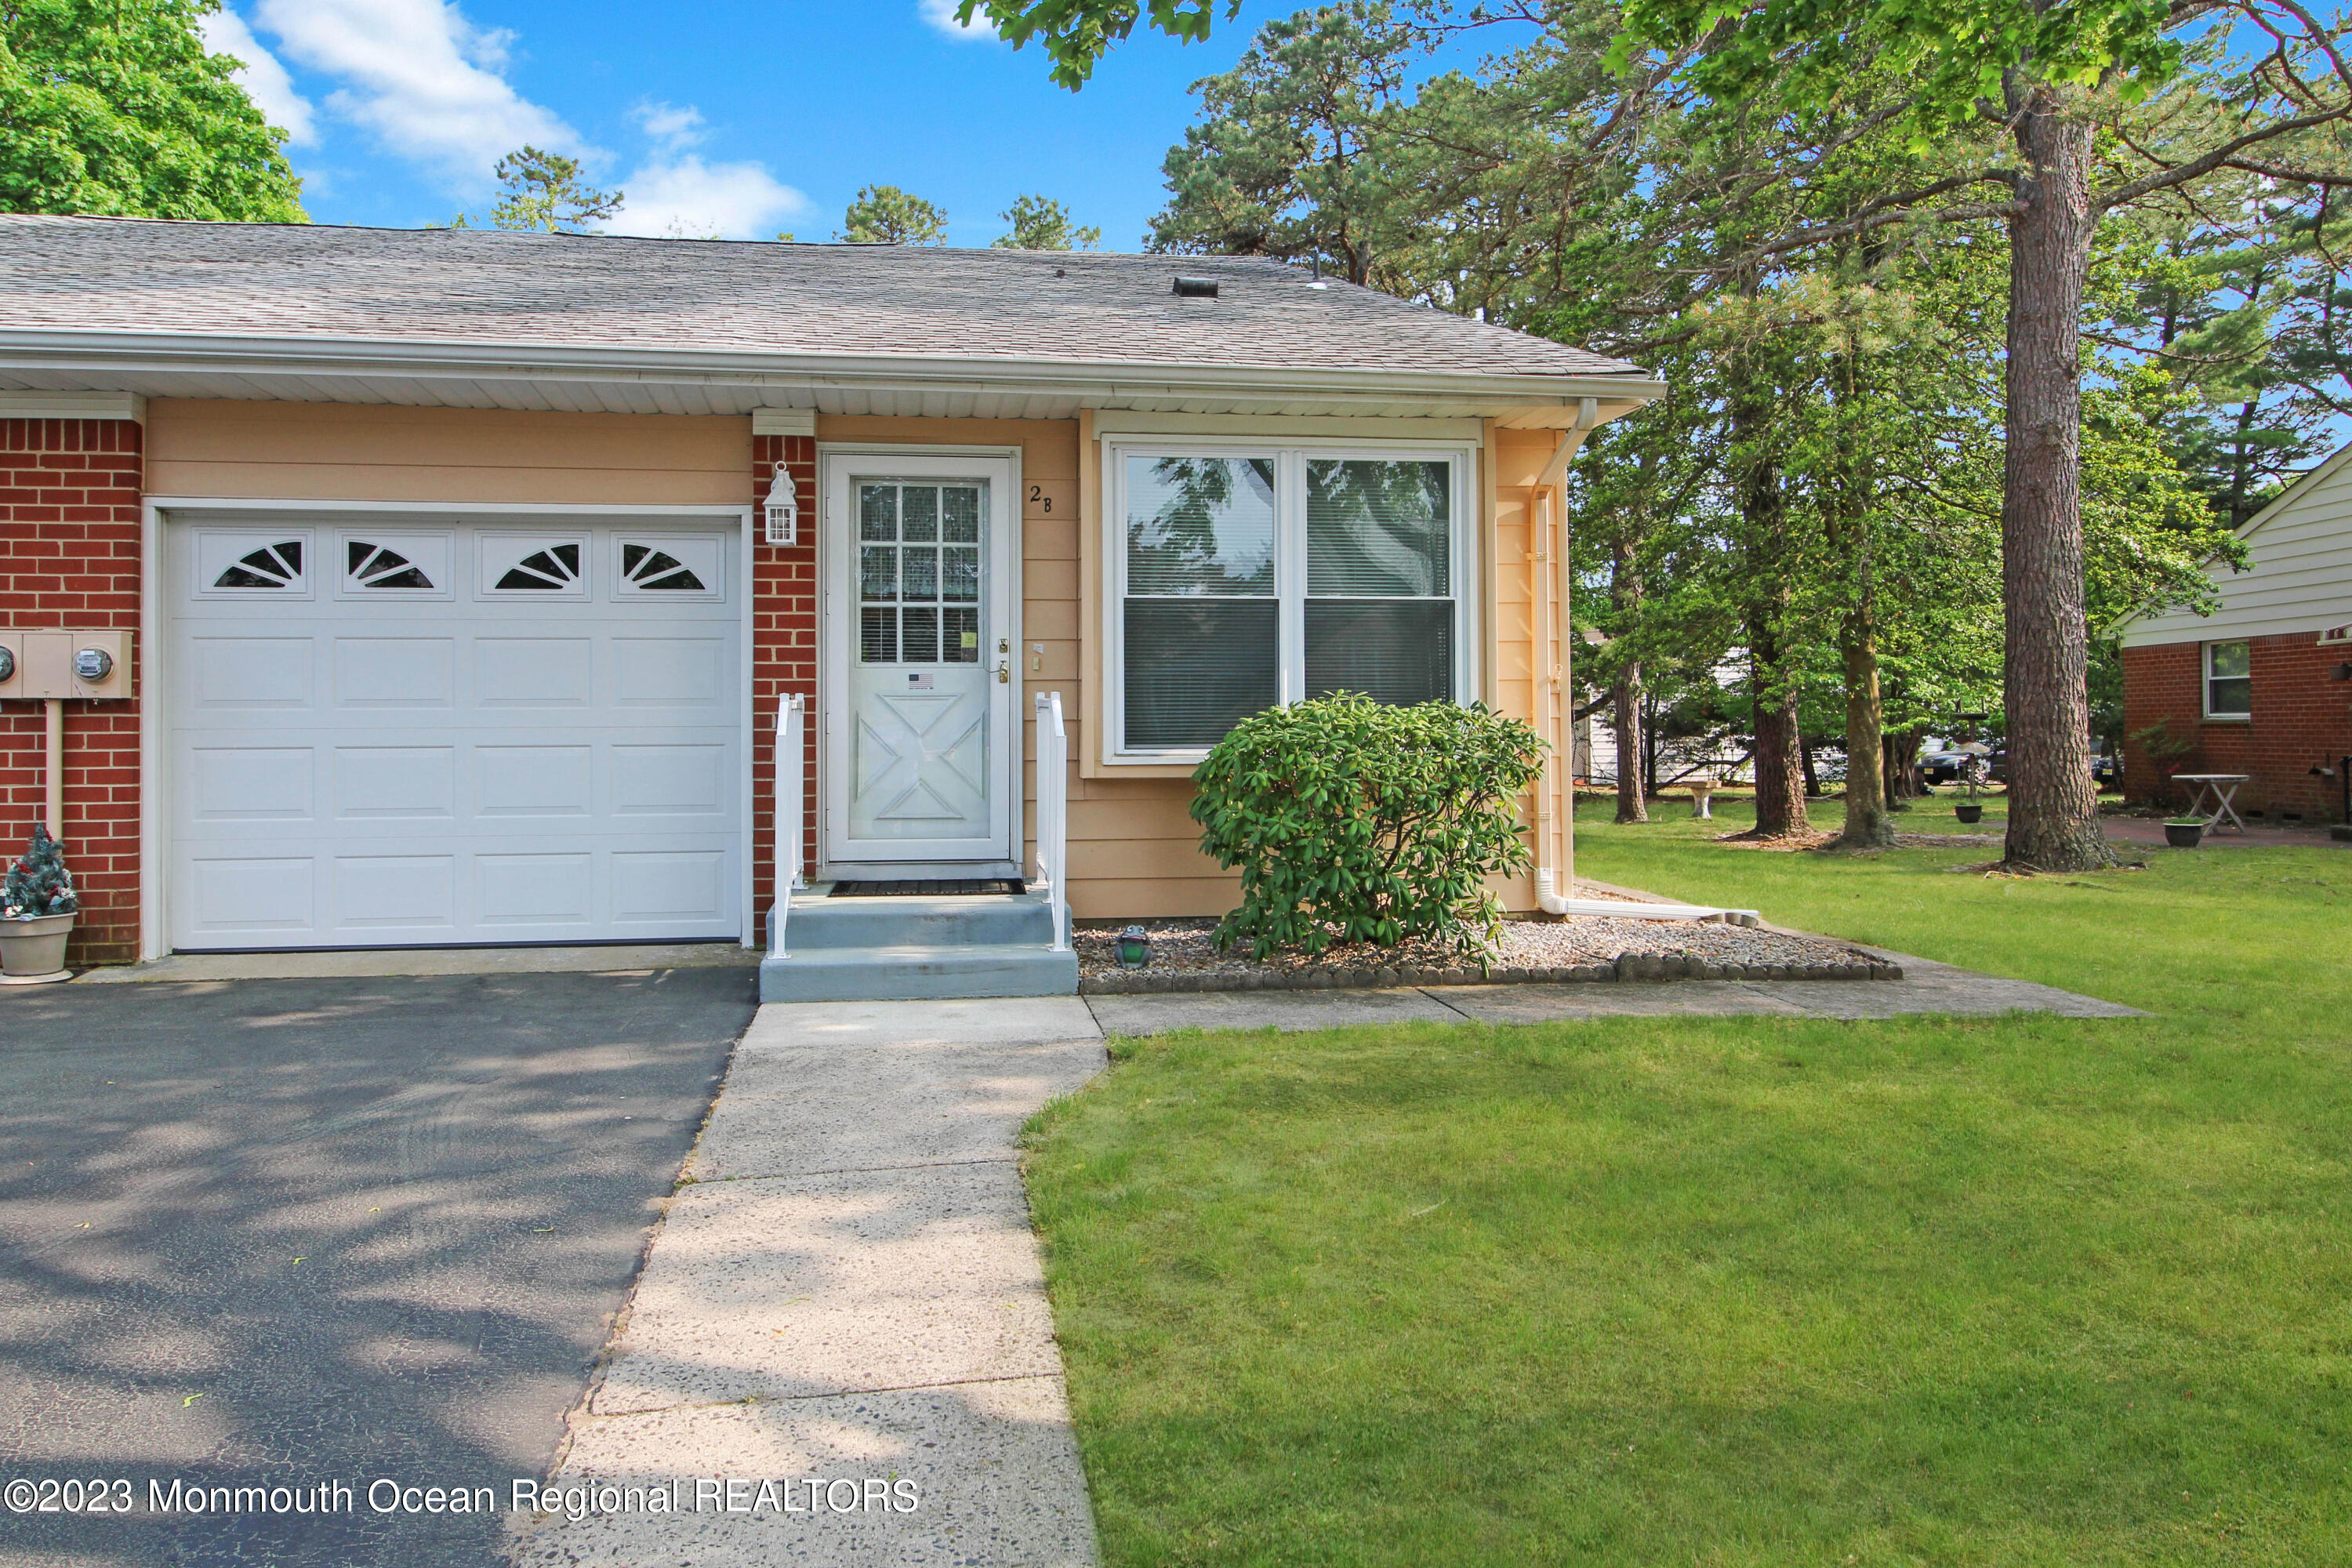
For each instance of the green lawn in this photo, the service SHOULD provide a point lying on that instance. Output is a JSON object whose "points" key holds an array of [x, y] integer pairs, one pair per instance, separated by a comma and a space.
{"points": [[1745, 1290]]}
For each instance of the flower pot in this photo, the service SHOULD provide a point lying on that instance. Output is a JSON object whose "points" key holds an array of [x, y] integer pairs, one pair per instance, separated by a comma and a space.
{"points": [[1968, 811], [34, 949], [2183, 835]]}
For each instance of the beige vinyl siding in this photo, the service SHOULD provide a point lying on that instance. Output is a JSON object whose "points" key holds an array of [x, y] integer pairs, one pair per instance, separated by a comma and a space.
{"points": [[1518, 458], [336, 451], [2301, 579]]}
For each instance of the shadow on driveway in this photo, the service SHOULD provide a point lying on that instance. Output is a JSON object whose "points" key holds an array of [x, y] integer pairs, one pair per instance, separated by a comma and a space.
{"points": [[286, 1233]]}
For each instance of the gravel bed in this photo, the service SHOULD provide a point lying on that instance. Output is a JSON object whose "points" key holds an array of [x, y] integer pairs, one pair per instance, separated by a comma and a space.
{"points": [[1580, 947]]}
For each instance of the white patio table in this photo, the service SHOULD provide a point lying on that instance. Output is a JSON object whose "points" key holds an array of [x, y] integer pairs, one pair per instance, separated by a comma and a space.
{"points": [[2223, 789]]}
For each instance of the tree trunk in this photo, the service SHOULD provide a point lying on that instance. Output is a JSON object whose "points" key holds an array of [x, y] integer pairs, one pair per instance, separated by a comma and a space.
{"points": [[2053, 816], [1867, 825], [1779, 762], [1763, 517], [1653, 743], [1901, 769], [1805, 765], [1632, 748]]}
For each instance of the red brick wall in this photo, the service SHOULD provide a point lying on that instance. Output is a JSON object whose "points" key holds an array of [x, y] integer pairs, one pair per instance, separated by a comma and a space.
{"points": [[2301, 717], [69, 543], [783, 652]]}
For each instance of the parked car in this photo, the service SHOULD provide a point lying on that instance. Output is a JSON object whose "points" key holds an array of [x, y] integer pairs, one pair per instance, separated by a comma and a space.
{"points": [[1950, 767]]}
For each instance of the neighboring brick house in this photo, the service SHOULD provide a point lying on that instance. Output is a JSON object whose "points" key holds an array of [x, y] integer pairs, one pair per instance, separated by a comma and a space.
{"points": [[2264, 685], [457, 598]]}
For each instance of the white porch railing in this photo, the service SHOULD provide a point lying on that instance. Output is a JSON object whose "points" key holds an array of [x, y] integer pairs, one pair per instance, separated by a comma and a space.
{"points": [[1054, 813], [792, 805]]}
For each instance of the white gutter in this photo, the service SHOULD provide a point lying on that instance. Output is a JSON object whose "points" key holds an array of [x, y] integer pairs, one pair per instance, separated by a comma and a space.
{"points": [[186, 354], [1549, 897]]}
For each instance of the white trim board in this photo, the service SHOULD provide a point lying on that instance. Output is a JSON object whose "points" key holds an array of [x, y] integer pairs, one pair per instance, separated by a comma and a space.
{"points": [[783, 422], [73, 406], [1110, 423]]}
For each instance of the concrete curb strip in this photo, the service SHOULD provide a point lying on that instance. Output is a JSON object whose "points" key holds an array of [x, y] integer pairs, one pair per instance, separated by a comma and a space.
{"points": [[1636, 967]]}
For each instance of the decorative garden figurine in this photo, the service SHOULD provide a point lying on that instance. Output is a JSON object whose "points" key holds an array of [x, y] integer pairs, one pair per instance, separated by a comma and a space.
{"points": [[38, 904]]}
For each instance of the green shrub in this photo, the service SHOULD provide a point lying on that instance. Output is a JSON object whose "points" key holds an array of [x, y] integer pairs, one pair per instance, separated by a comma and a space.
{"points": [[1353, 822]]}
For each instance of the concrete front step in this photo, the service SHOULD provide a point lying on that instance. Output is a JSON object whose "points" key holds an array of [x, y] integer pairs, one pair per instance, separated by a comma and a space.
{"points": [[945, 921], [919, 972], [915, 949]]}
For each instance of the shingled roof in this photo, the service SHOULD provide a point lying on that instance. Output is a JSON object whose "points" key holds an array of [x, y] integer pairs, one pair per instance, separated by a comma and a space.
{"points": [[285, 283]]}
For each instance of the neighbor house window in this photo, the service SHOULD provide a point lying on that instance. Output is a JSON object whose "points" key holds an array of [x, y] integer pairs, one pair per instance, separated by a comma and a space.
{"points": [[2228, 680], [1249, 579]]}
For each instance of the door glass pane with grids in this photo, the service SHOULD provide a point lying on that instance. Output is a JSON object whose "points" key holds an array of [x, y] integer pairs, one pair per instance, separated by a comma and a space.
{"points": [[918, 574], [1201, 622], [1379, 610], [918, 691]]}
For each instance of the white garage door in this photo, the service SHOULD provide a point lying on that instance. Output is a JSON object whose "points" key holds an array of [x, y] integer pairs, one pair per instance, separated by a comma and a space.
{"points": [[402, 735]]}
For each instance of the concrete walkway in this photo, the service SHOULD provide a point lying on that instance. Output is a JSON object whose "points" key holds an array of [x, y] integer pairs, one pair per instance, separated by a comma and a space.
{"points": [[1926, 988], [847, 1293]]}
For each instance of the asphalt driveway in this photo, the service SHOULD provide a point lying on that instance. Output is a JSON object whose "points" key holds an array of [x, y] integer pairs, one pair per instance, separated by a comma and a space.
{"points": [[296, 1233]]}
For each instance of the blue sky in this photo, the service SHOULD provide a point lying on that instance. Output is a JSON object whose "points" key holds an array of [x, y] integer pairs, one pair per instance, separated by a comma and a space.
{"points": [[726, 119]]}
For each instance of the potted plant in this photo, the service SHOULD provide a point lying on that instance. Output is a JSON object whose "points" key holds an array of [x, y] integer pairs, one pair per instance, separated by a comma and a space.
{"points": [[2184, 832], [38, 904], [1971, 809]]}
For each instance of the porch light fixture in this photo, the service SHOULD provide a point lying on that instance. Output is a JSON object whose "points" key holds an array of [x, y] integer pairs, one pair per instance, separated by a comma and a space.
{"points": [[1134, 948], [783, 509]]}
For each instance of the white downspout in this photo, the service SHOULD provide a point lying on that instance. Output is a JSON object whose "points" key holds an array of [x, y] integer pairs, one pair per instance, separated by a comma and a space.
{"points": [[1555, 785], [1555, 801]]}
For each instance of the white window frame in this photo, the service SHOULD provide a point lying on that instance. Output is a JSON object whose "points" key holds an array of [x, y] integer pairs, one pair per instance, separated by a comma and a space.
{"points": [[2205, 684], [1291, 456]]}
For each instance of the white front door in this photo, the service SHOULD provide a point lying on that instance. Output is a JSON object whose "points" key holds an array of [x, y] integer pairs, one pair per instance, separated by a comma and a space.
{"points": [[448, 731], [919, 639]]}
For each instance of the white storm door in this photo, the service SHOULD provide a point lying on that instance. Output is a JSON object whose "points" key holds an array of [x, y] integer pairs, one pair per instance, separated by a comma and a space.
{"points": [[918, 654]]}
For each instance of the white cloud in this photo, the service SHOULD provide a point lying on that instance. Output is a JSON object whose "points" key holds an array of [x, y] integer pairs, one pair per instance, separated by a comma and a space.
{"points": [[424, 79], [941, 16], [261, 74], [680, 196], [669, 126]]}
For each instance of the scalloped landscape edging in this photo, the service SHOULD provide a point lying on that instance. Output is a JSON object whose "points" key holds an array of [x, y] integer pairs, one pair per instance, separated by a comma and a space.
{"points": [[1636, 967]]}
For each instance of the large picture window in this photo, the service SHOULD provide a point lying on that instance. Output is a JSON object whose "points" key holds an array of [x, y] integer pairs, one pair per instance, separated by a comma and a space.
{"points": [[1247, 579]]}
